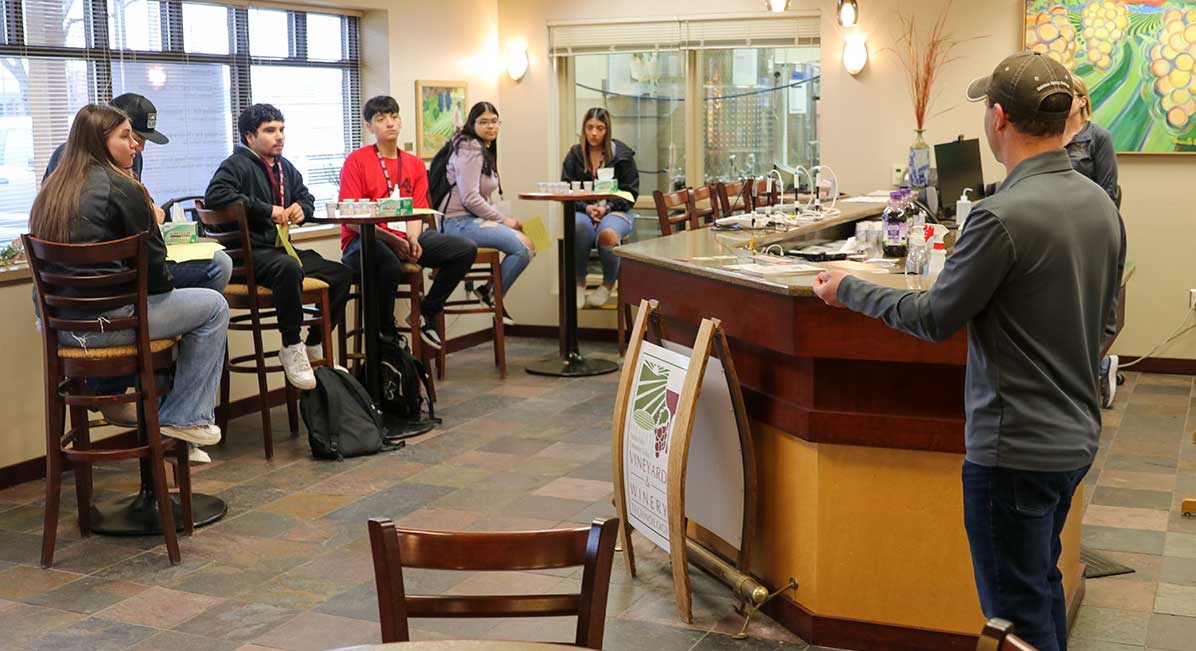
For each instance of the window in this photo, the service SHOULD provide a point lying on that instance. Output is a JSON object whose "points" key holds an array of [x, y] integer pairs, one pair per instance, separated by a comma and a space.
{"points": [[199, 63], [752, 85]]}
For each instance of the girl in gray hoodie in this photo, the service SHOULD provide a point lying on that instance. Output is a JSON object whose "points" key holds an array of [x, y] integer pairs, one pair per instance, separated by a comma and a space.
{"points": [[473, 172]]}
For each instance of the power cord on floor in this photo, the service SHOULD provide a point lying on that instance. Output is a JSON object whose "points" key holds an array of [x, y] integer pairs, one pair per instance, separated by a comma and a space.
{"points": [[1179, 331]]}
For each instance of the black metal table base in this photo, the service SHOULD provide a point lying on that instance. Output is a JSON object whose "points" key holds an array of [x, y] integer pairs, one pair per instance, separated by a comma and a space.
{"points": [[138, 515], [573, 365]]}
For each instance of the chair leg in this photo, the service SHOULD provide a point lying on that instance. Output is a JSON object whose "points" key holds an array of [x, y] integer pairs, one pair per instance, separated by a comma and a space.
{"points": [[342, 348], [83, 478], [441, 354], [182, 478], [416, 294], [500, 339], [357, 327], [326, 318], [263, 392], [55, 416], [225, 390], [293, 409], [620, 329], [157, 469]]}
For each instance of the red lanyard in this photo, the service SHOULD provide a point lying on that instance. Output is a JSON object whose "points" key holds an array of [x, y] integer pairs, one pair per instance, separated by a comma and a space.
{"points": [[278, 182], [390, 187]]}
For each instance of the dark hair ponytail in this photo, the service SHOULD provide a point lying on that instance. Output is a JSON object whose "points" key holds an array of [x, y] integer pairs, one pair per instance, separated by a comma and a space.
{"points": [[489, 152]]}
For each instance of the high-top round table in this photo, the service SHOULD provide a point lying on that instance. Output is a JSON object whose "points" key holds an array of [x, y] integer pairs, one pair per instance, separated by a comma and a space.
{"points": [[370, 301], [572, 364]]}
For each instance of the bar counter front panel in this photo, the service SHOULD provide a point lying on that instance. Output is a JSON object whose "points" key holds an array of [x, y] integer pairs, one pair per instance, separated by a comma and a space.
{"points": [[859, 434]]}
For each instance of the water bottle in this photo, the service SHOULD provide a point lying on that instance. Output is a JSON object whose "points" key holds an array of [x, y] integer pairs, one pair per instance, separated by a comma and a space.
{"points": [[917, 218], [896, 227], [917, 261]]}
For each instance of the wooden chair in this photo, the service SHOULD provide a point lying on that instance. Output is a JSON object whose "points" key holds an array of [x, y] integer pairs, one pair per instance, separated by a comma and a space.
{"points": [[673, 210], [734, 198], [703, 215], [67, 370], [485, 269], [243, 293], [998, 636], [411, 288], [592, 547], [761, 196]]}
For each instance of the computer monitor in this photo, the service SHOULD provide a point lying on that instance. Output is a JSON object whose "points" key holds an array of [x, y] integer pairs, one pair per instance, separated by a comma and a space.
{"points": [[958, 164]]}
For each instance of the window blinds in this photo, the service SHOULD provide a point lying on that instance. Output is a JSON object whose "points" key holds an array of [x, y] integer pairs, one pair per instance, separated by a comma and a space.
{"points": [[722, 32]]}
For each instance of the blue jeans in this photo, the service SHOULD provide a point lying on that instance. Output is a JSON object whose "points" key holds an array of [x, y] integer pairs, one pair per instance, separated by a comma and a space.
{"points": [[1013, 519], [486, 233], [586, 236], [200, 317], [212, 275]]}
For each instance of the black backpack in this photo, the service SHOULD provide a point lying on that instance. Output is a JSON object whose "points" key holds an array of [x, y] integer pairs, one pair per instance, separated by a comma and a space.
{"points": [[439, 185], [405, 382], [341, 419]]}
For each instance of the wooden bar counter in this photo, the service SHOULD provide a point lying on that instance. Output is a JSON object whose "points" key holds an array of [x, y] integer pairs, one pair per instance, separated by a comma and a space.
{"points": [[859, 434]]}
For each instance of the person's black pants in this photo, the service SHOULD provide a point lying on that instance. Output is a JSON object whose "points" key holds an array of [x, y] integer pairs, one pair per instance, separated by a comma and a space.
{"points": [[284, 276], [1014, 519], [451, 255]]}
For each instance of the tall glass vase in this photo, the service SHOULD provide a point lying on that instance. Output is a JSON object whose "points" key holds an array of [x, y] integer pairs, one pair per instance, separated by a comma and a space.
{"points": [[919, 162]]}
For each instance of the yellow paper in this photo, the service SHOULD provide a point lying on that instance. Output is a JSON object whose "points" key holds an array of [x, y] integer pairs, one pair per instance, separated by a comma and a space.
{"points": [[535, 230], [192, 251]]}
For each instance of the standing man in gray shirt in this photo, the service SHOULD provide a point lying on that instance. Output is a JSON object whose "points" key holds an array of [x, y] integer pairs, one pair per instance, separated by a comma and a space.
{"points": [[1033, 277]]}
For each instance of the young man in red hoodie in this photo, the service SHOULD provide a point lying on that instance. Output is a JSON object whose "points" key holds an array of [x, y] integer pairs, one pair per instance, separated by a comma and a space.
{"points": [[376, 172]]}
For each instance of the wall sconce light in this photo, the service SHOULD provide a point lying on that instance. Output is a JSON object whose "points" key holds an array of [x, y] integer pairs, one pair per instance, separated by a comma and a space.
{"points": [[848, 13], [855, 53], [517, 62], [777, 6]]}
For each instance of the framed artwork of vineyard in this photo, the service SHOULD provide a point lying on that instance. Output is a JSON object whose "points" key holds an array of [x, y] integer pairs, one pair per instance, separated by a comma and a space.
{"points": [[1138, 58]]}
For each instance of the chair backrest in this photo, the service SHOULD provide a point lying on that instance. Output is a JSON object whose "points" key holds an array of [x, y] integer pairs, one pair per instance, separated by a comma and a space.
{"points": [[998, 636], [704, 215], [761, 195], [230, 227], [592, 547], [733, 198], [673, 211], [190, 206], [119, 280]]}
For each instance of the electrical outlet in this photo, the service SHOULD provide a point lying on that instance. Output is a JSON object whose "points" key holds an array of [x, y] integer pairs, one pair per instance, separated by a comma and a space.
{"points": [[1192, 299], [898, 175]]}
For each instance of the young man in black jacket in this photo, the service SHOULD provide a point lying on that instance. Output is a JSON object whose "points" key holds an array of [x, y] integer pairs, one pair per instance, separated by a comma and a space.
{"points": [[274, 197]]}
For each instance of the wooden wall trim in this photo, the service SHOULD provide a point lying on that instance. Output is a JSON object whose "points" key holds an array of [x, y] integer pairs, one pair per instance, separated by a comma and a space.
{"points": [[1167, 365]]}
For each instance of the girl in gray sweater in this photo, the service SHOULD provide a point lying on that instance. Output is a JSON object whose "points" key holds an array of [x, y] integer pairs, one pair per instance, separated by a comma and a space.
{"points": [[473, 172]]}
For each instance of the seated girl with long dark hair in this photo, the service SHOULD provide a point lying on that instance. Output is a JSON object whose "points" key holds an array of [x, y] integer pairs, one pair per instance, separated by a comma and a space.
{"points": [[92, 197]]}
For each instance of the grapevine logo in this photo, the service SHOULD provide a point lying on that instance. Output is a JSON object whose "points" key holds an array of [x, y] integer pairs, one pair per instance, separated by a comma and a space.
{"points": [[655, 404]]}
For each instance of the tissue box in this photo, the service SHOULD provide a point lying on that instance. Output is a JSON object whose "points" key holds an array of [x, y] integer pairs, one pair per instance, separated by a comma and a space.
{"points": [[179, 233], [400, 207], [604, 187]]}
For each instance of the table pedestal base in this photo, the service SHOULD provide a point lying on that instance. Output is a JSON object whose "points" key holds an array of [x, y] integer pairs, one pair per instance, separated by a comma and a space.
{"points": [[572, 365], [138, 515]]}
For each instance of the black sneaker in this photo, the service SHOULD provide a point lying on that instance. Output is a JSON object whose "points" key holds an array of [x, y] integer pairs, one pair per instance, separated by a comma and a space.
{"points": [[428, 333], [483, 295]]}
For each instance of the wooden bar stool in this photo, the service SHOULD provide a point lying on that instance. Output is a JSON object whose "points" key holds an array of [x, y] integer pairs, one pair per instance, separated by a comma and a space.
{"points": [[243, 293], [592, 548], [411, 288], [734, 198], [672, 210], [761, 195], [67, 370], [485, 270], [704, 215]]}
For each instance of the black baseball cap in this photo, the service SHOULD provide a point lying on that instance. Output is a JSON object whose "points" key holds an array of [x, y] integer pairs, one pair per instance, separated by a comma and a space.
{"points": [[142, 114], [1021, 83]]}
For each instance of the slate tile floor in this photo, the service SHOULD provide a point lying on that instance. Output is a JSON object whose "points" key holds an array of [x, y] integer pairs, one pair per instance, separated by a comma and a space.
{"points": [[289, 568]]}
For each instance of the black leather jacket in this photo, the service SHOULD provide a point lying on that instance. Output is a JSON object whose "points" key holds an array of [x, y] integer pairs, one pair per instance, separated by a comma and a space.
{"points": [[111, 207]]}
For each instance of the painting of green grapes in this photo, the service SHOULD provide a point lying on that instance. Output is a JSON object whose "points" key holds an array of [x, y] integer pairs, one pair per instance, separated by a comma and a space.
{"points": [[1138, 59]]}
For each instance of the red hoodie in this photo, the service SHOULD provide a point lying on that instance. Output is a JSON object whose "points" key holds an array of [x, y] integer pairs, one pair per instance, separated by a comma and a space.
{"points": [[362, 178]]}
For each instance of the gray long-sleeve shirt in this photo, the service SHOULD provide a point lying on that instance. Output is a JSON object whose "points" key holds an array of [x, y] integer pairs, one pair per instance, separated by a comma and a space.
{"points": [[1034, 277], [470, 194]]}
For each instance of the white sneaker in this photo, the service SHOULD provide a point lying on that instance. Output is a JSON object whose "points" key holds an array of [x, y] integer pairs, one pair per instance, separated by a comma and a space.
{"points": [[1109, 383], [315, 353], [198, 434], [296, 367], [598, 297], [581, 297], [195, 456]]}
